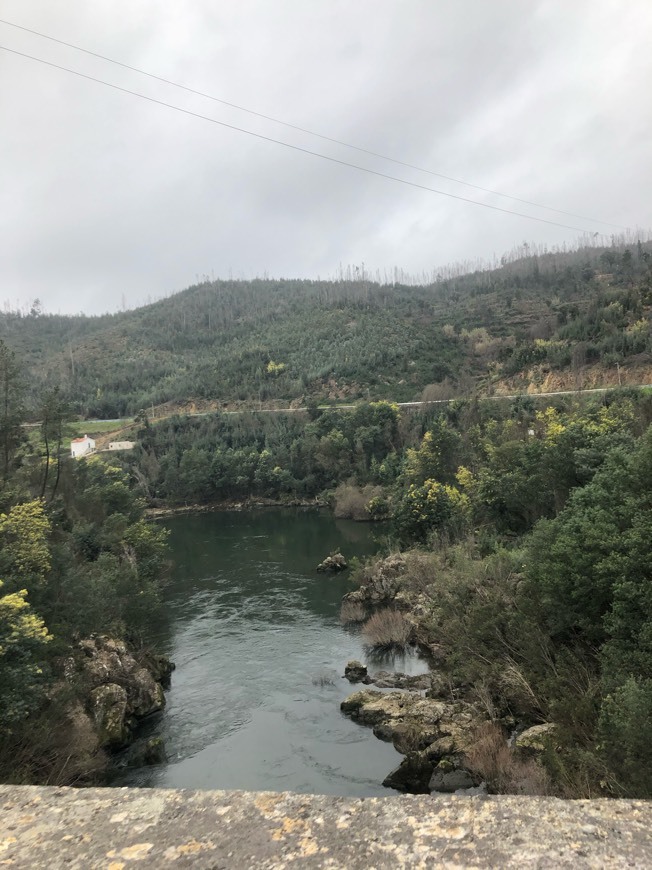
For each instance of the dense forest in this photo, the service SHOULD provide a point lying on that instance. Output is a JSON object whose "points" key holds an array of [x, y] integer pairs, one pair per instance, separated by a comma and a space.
{"points": [[269, 342], [525, 522]]}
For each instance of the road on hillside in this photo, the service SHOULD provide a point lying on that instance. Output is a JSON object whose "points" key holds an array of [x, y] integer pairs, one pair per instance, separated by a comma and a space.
{"points": [[351, 407], [423, 404]]}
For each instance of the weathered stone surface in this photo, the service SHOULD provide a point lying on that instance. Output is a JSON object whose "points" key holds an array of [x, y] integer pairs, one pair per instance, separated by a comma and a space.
{"points": [[534, 740], [450, 781], [355, 671], [108, 705], [412, 775], [441, 748], [53, 828], [117, 688], [390, 680], [145, 694], [397, 711], [160, 668], [107, 661], [144, 753]]}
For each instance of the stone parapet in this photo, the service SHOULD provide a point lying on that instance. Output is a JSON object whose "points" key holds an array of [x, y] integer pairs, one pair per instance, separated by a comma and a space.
{"points": [[116, 829]]}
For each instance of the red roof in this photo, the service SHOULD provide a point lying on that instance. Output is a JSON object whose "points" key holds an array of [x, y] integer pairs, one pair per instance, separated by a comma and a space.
{"points": [[80, 440]]}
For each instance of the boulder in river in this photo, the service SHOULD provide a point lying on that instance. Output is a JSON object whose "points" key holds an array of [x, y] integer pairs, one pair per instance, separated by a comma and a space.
{"points": [[333, 563], [355, 671], [431, 733], [396, 710], [145, 753], [412, 775], [448, 779]]}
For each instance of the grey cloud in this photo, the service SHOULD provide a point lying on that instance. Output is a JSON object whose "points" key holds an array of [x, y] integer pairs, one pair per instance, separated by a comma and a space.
{"points": [[105, 195]]}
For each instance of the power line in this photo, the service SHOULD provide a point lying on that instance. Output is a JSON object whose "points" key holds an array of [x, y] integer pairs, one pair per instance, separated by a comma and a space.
{"points": [[293, 147], [305, 130]]}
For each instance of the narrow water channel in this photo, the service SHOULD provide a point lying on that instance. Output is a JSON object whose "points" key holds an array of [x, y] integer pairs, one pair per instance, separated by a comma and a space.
{"points": [[255, 635]]}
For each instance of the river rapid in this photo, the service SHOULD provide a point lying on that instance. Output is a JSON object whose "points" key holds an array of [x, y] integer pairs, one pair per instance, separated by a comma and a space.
{"points": [[259, 650]]}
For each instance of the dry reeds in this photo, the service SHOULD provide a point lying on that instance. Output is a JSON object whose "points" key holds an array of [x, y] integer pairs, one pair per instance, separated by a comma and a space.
{"points": [[504, 771], [352, 612], [350, 501], [387, 629]]}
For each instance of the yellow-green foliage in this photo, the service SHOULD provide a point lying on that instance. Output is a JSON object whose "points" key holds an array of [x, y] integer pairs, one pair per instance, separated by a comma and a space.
{"points": [[275, 368], [24, 533], [432, 506], [604, 420], [436, 456], [423, 461], [22, 637], [18, 623]]}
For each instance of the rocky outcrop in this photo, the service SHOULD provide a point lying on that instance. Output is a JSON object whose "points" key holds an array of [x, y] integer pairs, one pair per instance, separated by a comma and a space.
{"points": [[413, 774], [391, 680], [108, 708], [451, 780], [380, 582], [356, 672], [395, 711], [333, 563], [535, 740], [117, 688], [432, 734]]}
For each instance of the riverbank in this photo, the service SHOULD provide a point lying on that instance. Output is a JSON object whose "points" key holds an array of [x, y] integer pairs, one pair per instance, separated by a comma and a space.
{"points": [[232, 505], [451, 734]]}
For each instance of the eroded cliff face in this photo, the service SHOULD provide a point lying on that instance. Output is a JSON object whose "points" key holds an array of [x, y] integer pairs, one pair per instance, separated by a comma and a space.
{"points": [[543, 379], [112, 691]]}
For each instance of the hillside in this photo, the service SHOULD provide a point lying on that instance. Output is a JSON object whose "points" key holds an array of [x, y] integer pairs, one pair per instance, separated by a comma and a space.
{"points": [[539, 318]]}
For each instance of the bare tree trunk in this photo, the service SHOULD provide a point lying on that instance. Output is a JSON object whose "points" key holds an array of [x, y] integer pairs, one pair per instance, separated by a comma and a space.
{"points": [[47, 457]]}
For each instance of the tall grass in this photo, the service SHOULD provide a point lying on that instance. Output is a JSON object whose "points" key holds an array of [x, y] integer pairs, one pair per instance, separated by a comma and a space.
{"points": [[386, 629], [352, 612]]}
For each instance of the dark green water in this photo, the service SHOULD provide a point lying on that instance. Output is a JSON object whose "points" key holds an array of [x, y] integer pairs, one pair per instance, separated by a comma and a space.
{"points": [[255, 635]]}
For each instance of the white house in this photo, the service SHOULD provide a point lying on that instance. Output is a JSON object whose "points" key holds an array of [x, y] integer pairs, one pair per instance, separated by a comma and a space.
{"points": [[122, 445], [81, 446]]}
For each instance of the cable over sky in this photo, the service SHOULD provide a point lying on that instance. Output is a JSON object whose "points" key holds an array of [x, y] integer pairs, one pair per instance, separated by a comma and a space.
{"points": [[297, 148], [304, 130]]}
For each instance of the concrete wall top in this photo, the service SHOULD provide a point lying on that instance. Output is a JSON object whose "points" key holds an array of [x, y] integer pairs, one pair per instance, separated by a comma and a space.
{"points": [[116, 829]]}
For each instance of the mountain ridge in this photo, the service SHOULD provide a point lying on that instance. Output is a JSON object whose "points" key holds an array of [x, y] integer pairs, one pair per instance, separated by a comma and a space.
{"points": [[288, 340]]}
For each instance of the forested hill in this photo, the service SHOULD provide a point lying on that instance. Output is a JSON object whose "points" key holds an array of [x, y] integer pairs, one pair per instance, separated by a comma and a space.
{"points": [[284, 340]]}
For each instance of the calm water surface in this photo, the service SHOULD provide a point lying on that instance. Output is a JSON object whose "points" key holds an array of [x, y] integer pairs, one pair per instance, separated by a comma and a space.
{"points": [[254, 632]]}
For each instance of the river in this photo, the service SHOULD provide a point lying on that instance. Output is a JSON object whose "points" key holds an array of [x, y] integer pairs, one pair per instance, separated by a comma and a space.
{"points": [[260, 653]]}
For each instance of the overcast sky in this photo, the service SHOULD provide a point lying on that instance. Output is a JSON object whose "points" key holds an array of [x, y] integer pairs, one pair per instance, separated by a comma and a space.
{"points": [[107, 199]]}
